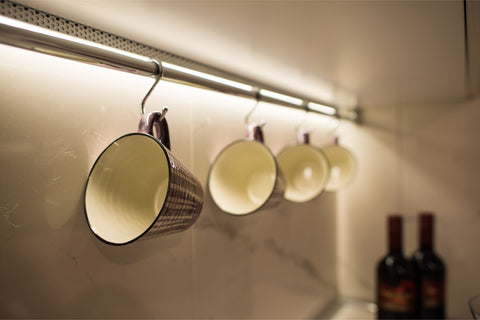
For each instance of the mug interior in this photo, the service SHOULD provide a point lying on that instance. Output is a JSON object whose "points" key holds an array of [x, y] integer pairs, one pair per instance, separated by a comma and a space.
{"points": [[243, 177], [127, 188], [306, 171], [342, 167]]}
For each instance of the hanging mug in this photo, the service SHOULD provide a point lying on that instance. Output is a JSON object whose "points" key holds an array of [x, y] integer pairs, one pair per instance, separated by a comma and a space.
{"points": [[343, 166], [245, 176], [137, 189], [305, 168]]}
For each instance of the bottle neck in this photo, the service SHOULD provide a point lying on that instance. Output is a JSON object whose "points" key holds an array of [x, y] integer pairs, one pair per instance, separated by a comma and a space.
{"points": [[395, 234], [426, 231]]}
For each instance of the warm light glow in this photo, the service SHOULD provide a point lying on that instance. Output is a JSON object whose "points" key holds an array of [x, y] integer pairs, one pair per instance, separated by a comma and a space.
{"points": [[207, 76], [327, 110], [47, 32], [321, 108], [282, 97]]}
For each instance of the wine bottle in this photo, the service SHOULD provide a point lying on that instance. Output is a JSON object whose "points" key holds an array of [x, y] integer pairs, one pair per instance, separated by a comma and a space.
{"points": [[429, 273], [395, 282]]}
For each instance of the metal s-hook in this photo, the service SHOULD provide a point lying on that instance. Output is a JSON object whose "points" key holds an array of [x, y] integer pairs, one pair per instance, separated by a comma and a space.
{"points": [[249, 114], [303, 136], [158, 76], [154, 123], [299, 126], [336, 126], [332, 131], [254, 130]]}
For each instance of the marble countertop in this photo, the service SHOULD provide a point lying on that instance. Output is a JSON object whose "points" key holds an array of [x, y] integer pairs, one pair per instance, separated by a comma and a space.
{"points": [[355, 309]]}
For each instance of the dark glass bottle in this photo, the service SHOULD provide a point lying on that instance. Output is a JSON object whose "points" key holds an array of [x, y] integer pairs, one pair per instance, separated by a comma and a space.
{"points": [[395, 283], [429, 273]]}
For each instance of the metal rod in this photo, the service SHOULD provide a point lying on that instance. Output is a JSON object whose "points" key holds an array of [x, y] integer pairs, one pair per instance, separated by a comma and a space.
{"points": [[23, 35], [27, 36]]}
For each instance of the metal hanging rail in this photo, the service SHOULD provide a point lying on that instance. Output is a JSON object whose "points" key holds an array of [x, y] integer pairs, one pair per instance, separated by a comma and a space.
{"points": [[28, 36], [22, 35]]}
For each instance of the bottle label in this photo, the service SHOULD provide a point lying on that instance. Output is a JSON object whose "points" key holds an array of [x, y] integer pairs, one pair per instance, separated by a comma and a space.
{"points": [[432, 293], [399, 298]]}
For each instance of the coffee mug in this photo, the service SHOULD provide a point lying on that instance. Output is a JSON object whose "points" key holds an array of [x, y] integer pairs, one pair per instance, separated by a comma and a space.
{"points": [[343, 166], [305, 168], [137, 189], [245, 176]]}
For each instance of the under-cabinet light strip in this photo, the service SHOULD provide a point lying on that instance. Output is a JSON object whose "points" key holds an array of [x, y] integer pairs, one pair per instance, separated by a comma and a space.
{"points": [[24, 35], [282, 97], [207, 76], [321, 108]]}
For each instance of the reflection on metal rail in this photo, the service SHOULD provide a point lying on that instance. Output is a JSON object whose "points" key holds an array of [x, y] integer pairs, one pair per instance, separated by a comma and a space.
{"points": [[23, 35]]}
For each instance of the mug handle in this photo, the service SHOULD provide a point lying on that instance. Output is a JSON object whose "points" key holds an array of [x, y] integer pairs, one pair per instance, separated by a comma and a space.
{"points": [[155, 124], [255, 132], [303, 137]]}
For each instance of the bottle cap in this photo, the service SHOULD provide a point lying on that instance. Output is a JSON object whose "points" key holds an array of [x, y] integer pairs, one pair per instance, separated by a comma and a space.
{"points": [[426, 217], [426, 229], [394, 221], [395, 231]]}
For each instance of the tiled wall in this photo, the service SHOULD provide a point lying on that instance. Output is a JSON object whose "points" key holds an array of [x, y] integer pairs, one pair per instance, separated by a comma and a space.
{"points": [[412, 158], [56, 117]]}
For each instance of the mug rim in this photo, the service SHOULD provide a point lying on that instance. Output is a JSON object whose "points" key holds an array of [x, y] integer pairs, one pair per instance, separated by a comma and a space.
{"points": [[355, 168], [277, 173], [320, 151], [90, 174]]}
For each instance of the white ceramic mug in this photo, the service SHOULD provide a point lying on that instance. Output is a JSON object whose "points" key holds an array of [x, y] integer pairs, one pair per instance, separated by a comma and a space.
{"points": [[305, 168], [343, 166], [245, 176], [138, 189]]}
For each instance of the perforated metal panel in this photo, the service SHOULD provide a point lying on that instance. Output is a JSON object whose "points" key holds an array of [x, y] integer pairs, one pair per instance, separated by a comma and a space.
{"points": [[46, 20]]}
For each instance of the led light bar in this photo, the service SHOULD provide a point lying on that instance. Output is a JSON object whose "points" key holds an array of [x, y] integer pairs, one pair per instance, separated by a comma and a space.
{"points": [[321, 108], [282, 97], [210, 77]]}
